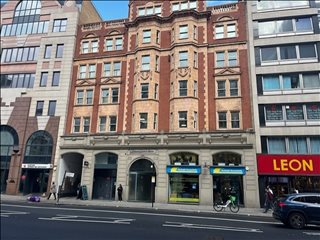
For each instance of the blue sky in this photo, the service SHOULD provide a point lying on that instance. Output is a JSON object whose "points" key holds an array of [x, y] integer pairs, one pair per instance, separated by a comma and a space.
{"points": [[111, 9]]}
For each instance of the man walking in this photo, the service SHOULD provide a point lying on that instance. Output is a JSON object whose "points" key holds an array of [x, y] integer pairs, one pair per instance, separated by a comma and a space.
{"points": [[53, 190], [268, 198]]}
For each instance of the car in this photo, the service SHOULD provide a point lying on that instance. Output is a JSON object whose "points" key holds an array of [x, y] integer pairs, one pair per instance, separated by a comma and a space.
{"points": [[297, 210]]}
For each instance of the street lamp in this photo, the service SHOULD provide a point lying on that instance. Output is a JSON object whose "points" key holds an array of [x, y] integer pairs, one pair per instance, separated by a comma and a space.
{"points": [[153, 181]]}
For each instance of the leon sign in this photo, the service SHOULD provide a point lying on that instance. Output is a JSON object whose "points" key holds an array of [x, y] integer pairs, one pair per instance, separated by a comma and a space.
{"points": [[288, 164]]}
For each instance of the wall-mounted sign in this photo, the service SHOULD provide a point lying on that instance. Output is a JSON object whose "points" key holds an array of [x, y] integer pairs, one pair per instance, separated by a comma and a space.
{"points": [[269, 164], [37, 166], [184, 169], [227, 170]]}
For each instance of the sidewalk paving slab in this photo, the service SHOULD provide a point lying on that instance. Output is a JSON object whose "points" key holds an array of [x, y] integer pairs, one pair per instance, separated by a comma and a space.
{"points": [[142, 205]]}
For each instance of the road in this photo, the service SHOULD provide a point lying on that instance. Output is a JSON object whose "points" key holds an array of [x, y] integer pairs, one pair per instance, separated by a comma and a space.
{"points": [[34, 221]]}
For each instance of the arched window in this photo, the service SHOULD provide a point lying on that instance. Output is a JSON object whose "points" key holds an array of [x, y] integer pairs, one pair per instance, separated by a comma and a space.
{"points": [[8, 139], [39, 148], [27, 11]]}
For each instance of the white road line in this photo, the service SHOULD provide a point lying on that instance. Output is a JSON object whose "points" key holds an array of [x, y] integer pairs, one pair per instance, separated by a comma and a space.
{"points": [[143, 213], [312, 233], [87, 219], [211, 227], [7, 213]]}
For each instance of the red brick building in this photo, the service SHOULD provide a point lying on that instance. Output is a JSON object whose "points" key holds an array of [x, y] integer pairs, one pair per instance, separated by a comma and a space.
{"points": [[160, 103]]}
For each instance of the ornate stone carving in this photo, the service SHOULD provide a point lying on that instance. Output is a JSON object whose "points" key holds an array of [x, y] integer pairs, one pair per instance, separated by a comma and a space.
{"points": [[183, 72]]}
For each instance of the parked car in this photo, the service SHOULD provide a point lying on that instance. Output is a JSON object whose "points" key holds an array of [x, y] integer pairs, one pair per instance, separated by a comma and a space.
{"points": [[297, 210]]}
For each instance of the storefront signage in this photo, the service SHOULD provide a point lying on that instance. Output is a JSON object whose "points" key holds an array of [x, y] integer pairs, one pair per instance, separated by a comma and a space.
{"points": [[37, 166], [288, 164], [184, 169], [228, 170]]}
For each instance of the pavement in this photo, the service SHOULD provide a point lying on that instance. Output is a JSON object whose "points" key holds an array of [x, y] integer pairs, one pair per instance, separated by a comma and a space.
{"points": [[141, 205]]}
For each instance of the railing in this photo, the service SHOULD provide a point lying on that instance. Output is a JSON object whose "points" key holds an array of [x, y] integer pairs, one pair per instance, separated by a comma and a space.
{"points": [[224, 8], [91, 26], [119, 22]]}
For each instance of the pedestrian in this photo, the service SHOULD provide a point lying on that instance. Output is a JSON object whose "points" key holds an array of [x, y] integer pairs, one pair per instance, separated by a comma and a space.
{"points": [[295, 190], [79, 191], [53, 191], [268, 198], [120, 190]]}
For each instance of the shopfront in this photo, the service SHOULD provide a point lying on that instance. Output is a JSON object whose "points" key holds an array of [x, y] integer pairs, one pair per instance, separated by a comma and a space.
{"points": [[284, 173], [227, 173], [183, 175]]}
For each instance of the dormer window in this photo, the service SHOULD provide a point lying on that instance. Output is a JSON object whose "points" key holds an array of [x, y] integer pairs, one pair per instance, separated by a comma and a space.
{"points": [[152, 10], [177, 6]]}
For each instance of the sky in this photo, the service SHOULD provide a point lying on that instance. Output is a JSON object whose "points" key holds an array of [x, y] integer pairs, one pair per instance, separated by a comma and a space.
{"points": [[111, 9]]}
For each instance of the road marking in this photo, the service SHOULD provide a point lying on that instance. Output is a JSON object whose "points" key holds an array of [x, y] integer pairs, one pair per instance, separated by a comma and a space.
{"points": [[211, 227], [144, 213], [312, 233], [88, 219], [7, 213]]}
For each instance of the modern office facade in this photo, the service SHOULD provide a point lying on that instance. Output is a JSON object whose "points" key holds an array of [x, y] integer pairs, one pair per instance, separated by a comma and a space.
{"points": [[37, 49], [160, 103], [284, 52]]}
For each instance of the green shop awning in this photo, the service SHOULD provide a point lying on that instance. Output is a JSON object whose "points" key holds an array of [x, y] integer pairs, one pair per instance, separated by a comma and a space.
{"points": [[184, 169], [228, 170]]}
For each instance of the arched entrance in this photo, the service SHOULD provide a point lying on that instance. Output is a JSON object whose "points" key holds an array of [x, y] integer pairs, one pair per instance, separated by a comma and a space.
{"points": [[140, 176], [227, 176], [70, 163], [8, 139], [105, 175], [37, 163]]}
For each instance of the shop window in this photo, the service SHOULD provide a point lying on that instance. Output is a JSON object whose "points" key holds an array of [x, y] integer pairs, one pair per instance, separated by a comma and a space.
{"points": [[184, 188], [184, 158]]}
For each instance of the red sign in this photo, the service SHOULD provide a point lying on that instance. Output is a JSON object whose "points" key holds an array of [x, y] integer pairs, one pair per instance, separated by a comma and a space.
{"points": [[288, 164]]}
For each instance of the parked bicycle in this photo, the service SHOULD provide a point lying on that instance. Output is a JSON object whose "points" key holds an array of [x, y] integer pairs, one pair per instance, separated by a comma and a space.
{"points": [[231, 202]]}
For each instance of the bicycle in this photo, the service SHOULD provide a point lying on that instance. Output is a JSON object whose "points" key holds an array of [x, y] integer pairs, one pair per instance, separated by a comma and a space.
{"points": [[231, 202]]}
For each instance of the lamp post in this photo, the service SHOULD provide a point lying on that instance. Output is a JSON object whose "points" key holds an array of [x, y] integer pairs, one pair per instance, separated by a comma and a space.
{"points": [[153, 181]]}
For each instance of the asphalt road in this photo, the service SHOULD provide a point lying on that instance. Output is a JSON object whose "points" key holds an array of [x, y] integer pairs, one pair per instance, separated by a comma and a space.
{"points": [[33, 221]]}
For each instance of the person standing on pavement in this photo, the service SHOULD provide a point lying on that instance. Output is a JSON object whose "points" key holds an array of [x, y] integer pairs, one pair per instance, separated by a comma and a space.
{"points": [[53, 190], [268, 198], [120, 190]]}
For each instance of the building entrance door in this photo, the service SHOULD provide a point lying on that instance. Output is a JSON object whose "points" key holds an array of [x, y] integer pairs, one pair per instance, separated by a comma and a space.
{"points": [[140, 186], [104, 184]]}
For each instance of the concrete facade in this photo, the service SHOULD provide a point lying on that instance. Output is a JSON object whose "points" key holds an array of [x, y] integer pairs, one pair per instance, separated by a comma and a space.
{"points": [[291, 72], [19, 103]]}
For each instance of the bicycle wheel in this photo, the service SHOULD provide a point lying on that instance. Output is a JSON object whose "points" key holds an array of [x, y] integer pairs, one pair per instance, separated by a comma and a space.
{"points": [[234, 208], [217, 207]]}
